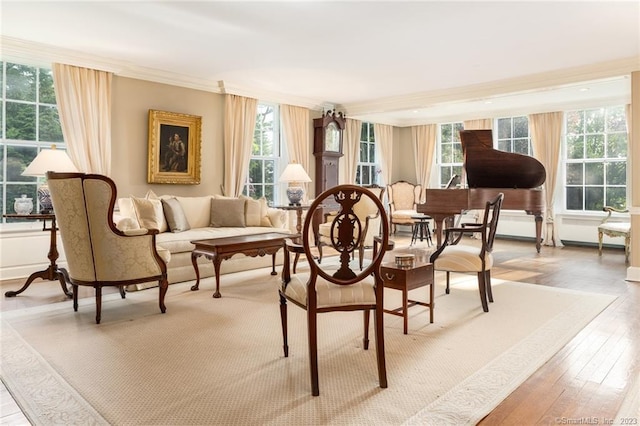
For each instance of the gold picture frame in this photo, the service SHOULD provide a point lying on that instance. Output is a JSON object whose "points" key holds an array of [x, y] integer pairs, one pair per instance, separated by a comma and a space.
{"points": [[174, 148]]}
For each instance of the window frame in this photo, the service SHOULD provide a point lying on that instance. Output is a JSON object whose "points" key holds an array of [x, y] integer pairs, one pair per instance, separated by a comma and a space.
{"points": [[368, 139]]}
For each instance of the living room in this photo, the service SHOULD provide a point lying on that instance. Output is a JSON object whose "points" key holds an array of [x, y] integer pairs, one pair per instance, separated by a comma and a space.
{"points": [[135, 92]]}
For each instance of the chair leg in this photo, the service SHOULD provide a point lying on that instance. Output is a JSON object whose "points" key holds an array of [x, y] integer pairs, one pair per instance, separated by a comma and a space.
{"points": [[98, 303], [600, 243], [313, 351], [627, 243], [74, 288], [122, 293], [483, 291], [447, 289], [487, 275], [319, 245], [283, 320], [365, 340], [361, 255], [164, 285], [295, 262], [382, 368]]}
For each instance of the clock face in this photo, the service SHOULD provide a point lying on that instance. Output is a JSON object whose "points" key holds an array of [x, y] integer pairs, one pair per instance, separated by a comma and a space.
{"points": [[332, 138]]}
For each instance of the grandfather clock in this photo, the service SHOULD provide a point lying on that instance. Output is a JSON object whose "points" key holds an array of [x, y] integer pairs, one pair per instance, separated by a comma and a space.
{"points": [[327, 148]]}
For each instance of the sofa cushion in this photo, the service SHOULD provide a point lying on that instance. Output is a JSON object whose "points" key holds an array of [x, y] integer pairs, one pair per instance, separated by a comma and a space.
{"points": [[227, 212], [197, 210], [176, 219], [252, 211], [149, 213]]}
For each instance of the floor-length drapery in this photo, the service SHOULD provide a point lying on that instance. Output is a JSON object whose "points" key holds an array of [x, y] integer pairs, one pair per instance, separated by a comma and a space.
{"points": [[84, 104], [424, 146], [351, 150], [384, 142], [295, 126], [239, 124], [546, 134]]}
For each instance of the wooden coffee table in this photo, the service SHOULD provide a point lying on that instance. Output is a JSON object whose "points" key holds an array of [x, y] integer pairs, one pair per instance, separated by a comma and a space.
{"points": [[406, 279], [219, 249]]}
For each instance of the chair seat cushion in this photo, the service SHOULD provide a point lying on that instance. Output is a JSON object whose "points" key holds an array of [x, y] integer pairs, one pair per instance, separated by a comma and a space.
{"points": [[331, 295], [460, 258], [403, 215], [615, 228]]}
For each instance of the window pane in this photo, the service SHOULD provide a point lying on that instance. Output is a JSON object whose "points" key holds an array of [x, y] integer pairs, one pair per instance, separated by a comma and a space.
{"points": [[372, 153], [364, 132], [457, 170], [372, 136], [594, 173], [595, 146], [456, 131], [575, 174], [617, 145], [366, 176], [18, 158], [574, 198], [457, 153], [504, 145], [445, 133], [255, 171], [594, 197], [520, 127], [594, 121], [21, 82], [617, 173], [617, 197], [616, 120], [446, 153], [575, 147], [521, 146], [575, 122], [363, 152], [445, 175], [21, 121], [47, 92], [50, 129]]}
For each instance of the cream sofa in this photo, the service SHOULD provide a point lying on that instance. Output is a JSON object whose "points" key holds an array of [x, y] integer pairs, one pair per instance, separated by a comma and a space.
{"points": [[181, 220]]}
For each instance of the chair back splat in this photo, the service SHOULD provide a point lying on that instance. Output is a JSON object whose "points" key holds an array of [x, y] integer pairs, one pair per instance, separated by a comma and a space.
{"points": [[337, 284]]}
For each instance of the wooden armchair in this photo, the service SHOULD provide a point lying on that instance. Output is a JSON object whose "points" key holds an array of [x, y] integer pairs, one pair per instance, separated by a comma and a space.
{"points": [[403, 200], [335, 286], [454, 257], [368, 214], [98, 254], [615, 229]]}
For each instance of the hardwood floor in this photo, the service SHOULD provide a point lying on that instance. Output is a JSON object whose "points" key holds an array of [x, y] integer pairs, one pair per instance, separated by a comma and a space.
{"points": [[585, 381]]}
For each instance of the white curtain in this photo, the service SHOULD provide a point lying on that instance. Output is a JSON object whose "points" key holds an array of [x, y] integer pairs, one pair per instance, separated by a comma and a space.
{"points": [[351, 150], [546, 139], [295, 127], [384, 142], [239, 124], [424, 146], [84, 104]]}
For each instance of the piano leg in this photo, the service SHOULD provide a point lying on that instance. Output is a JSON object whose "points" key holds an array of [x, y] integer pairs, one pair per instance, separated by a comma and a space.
{"points": [[538, 216]]}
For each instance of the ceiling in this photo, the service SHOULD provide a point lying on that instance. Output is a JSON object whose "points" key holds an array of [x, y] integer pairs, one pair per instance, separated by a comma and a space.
{"points": [[399, 63]]}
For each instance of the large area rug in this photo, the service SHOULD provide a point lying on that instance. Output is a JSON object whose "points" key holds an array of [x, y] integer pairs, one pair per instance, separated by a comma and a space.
{"points": [[220, 361]]}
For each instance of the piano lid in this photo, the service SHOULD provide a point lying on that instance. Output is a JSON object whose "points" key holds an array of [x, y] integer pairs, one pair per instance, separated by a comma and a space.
{"points": [[486, 167]]}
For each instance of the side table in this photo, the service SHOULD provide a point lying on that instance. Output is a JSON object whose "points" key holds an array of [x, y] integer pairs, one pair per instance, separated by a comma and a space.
{"points": [[53, 272]]}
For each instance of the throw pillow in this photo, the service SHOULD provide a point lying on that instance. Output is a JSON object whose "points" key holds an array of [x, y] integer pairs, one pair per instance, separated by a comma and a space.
{"points": [[176, 219], [264, 213], [227, 213], [149, 213], [163, 222]]}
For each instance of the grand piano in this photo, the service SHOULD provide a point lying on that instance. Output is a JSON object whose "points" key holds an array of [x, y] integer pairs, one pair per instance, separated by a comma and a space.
{"points": [[489, 172]]}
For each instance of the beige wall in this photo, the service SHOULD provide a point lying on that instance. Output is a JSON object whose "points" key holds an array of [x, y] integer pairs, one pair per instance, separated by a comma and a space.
{"points": [[403, 156], [131, 102]]}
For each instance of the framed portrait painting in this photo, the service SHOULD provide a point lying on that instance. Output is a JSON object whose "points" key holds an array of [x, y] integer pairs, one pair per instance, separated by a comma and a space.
{"points": [[174, 148]]}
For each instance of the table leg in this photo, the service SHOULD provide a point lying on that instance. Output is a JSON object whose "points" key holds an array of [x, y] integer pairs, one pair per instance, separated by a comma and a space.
{"points": [[194, 262], [405, 308], [273, 264], [216, 265], [431, 302]]}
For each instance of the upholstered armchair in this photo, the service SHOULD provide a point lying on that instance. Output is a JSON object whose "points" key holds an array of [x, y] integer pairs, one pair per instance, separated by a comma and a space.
{"points": [[368, 214], [98, 254], [403, 200], [615, 229]]}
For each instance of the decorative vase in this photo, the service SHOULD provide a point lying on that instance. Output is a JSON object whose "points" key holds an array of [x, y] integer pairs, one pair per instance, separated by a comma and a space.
{"points": [[23, 205]]}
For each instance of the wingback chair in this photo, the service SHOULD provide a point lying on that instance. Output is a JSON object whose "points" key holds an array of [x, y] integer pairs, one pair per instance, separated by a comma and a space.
{"points": [[615, 229], [403, 200], [98, 254], [337, 286], [368, 214]]}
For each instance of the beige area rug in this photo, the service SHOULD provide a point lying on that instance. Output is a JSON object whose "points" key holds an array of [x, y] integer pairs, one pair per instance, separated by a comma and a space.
{"points": [[220, 361]]}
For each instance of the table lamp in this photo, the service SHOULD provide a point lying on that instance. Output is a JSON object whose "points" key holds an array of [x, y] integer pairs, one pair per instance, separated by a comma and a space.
{"points": [[48, 160], [295, 175]]}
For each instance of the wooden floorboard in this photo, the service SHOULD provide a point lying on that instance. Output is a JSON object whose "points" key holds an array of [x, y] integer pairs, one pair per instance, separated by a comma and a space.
{"points": [[587, 379]]}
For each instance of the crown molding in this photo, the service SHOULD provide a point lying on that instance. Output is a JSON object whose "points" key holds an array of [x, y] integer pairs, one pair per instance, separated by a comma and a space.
{"points": [[498, 88]]}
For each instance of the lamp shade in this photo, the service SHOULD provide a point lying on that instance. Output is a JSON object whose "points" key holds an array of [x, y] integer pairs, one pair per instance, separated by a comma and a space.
{"points": [[47, 160], [294, 172]]}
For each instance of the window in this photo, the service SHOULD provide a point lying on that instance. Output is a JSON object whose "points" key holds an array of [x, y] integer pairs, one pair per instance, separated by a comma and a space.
{"points": [[367, 172], [595, 159], [450, 152], [29, 122], [513, 135], [265, 154]]}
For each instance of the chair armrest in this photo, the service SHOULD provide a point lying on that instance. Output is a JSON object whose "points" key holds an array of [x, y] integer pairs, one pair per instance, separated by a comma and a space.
{"points": [[610, 210], [135, 232]]}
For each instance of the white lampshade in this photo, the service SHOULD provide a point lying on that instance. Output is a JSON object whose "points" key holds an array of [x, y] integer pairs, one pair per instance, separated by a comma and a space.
{"points": [[294, 172], [48, 160]]}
